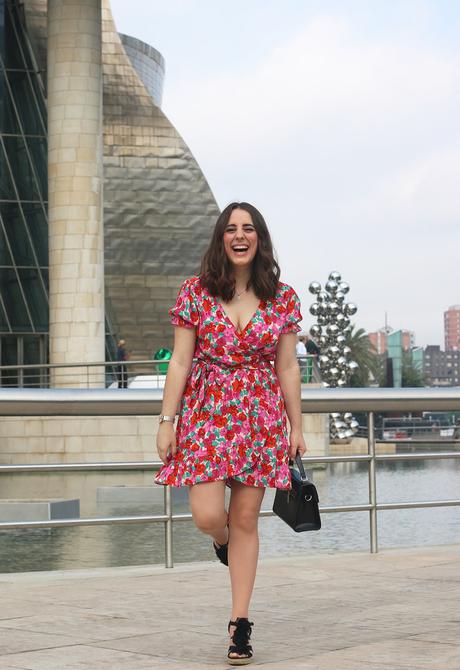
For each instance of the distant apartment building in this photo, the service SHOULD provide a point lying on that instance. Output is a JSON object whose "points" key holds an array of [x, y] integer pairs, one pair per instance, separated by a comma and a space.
{"points": [[379, 339], [452, 328], [441, 368]]}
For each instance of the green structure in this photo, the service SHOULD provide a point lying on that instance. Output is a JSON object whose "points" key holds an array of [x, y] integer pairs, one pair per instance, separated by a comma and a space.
{"points": [[395, 352], [417, 359]]}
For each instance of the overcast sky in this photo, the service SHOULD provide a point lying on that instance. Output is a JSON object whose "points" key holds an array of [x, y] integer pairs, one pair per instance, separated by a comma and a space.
{"points": [[339, 120]]}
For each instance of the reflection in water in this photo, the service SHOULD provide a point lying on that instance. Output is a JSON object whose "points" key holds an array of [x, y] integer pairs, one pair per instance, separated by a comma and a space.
{"points": [[338, 484]]}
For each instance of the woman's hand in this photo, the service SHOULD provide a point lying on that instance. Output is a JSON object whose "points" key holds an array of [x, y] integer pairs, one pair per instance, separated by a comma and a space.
{"points": [[296, 444], [166, 440]]}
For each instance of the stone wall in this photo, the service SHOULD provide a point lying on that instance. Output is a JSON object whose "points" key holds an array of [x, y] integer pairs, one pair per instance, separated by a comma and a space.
{"points": [[76, 236]]}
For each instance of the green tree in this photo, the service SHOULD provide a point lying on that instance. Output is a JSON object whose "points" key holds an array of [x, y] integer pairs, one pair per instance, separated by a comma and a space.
{"points": [[364, 354], [411, 375]]}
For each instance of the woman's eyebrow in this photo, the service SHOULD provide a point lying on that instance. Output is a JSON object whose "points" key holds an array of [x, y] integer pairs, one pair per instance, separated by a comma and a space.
{"points": [[245, 225]]}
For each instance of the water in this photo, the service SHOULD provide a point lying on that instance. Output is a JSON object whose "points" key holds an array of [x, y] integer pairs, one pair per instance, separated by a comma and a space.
{"points": [[338, 484]]}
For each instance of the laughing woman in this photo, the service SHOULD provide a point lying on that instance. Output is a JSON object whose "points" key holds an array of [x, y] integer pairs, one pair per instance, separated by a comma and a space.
{"points": [[235, 375]]}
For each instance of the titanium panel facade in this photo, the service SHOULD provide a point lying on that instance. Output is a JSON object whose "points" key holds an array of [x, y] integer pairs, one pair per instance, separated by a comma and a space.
{"points": [[148, 63], [158, 208]]}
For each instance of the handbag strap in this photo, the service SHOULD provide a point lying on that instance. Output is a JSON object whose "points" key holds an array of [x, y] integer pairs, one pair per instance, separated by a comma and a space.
{"points": [[298, 462]]}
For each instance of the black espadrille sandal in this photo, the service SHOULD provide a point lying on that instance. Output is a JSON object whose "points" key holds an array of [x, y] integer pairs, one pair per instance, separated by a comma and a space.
{"points": [[221, 552], [240, 639]]}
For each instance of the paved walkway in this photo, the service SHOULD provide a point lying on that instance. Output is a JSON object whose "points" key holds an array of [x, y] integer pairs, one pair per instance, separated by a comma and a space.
{"points": [[395, 610]]}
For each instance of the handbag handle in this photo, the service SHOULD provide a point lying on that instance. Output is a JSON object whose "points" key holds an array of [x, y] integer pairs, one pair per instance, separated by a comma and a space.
{"points": [[298, 462]]}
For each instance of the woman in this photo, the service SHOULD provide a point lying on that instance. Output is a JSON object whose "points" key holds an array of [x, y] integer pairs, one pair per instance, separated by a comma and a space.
{"points": [[234, 319]]}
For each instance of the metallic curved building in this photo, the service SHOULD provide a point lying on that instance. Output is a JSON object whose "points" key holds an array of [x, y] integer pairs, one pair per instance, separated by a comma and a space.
{"points": [[148, 63], [158, 209]]}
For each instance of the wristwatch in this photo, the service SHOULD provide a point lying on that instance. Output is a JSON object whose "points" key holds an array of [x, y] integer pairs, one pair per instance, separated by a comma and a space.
{"points": [[163, 417]]}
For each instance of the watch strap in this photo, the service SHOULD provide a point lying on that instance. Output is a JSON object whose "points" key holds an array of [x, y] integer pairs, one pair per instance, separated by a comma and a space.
{"points": [[164, 417]]}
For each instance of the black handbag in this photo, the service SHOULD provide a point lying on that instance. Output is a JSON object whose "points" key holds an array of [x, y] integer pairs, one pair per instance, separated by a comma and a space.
{"points": [[298, 507]]}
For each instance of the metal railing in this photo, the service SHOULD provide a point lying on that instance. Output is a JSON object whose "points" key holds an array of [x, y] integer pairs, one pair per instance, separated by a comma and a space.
{"points": [[87, 375], [310, 372], [83, 402], [432, 435], [145, 373]]}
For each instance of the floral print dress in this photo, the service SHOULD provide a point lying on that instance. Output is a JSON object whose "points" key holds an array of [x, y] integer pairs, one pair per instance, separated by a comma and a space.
{"points": [[232, 418]]}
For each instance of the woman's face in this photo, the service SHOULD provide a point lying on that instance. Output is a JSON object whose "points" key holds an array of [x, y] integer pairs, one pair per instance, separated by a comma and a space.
{"points": [[240, 238]]}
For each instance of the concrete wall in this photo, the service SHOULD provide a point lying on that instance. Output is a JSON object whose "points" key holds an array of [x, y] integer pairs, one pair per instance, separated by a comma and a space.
{"points": [[70, 439], [316, 432], [95, 439]]}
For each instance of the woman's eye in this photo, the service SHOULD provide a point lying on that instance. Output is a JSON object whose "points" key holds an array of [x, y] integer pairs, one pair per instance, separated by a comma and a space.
{"points": [[247, 229]]}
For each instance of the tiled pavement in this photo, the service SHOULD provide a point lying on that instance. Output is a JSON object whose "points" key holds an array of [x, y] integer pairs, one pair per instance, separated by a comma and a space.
{"points": [[399, 609]]}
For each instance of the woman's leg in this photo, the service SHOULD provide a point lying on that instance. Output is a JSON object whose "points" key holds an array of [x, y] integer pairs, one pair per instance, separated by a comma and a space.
{"points": [[207, 503], [243, 546]]}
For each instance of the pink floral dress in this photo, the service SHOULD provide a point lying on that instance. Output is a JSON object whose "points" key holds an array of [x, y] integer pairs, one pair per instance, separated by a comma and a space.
{"points": [[232, 419]]}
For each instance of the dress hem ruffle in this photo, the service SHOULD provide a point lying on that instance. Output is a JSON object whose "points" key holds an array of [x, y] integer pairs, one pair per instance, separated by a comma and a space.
{"points": [[176, 472], [222, 479]]}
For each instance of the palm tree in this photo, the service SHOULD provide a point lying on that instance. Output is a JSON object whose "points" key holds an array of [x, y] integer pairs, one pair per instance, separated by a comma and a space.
{"points": [[368, 360], [411, 375]]}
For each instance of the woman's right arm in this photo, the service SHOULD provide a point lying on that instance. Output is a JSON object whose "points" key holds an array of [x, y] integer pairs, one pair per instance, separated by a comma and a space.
{"points": [[178, 370]]}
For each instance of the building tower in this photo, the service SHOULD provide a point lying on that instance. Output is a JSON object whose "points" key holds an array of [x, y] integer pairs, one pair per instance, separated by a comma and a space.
{"points": [[452, 328], [76, 235]]}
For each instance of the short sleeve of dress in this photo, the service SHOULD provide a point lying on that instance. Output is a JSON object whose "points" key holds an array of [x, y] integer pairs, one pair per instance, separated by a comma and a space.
{"points": [[293, 315], [185, 313]]}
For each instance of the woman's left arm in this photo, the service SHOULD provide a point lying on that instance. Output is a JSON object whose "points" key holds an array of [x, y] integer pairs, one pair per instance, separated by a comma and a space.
{"points": [[288, 373]]}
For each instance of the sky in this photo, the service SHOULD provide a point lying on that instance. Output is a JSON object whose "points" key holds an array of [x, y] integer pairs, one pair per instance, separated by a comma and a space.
{"points": [[339, 121]]}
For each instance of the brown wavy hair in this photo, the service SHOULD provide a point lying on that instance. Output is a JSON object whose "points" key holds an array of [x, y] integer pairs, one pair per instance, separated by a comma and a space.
{"points": [[216, 270]]}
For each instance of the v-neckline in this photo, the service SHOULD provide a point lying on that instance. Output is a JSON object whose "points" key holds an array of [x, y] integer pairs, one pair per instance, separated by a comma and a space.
{"points": [[226, 316]]}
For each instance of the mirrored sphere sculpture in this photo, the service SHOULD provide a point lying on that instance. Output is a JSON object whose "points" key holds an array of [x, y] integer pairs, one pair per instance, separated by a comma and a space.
{"points": [[333, 323], [314, 287]]}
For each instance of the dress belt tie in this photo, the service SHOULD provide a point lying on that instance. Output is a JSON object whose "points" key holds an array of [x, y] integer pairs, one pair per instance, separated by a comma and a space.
{"points": [[206, 373]]}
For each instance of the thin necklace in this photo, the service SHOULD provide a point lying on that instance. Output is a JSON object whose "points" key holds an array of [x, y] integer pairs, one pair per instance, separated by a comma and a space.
{"points": [[238, 295]]}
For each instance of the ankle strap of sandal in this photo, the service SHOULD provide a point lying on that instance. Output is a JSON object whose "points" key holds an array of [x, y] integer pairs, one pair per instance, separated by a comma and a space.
{"points": [[240, 622]]}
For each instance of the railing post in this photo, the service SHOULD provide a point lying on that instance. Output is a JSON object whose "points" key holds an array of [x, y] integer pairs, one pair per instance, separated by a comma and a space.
{"points": [[168, 529], [372, 483]]}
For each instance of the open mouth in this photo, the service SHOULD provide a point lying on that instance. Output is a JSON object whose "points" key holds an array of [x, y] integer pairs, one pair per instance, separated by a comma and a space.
{"points": [[240, 248]]}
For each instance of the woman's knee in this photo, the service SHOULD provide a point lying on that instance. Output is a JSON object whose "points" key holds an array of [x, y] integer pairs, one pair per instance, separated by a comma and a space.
{"points": [[245, 520], [207, 504], [208, 520]]}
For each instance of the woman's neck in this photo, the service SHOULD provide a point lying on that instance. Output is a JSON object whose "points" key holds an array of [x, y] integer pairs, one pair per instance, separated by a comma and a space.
{"points": [[242, 276]]}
